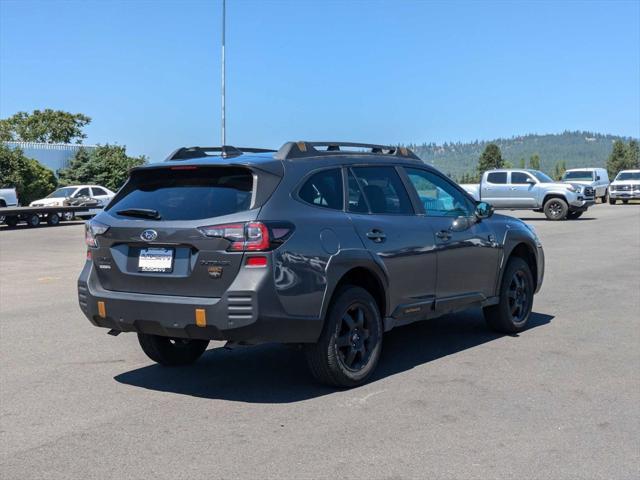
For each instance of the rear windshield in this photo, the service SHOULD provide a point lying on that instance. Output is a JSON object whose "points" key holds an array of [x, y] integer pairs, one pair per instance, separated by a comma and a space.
{"points": [[579, 175], [186, 193]]}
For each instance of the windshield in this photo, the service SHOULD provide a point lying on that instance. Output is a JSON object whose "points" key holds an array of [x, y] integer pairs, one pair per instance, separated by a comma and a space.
{"points": [[542, 177], [62, 192], [628, 176], [578, 175]]}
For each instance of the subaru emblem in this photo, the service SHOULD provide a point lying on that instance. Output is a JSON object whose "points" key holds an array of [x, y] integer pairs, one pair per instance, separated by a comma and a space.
{"points": [[149, 235]]}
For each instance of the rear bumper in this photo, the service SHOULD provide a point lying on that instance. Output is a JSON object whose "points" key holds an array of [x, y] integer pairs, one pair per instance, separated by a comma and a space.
{"points": [[252, 316]]}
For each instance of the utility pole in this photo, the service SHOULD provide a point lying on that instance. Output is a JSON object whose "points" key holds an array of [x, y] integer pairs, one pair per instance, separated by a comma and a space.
{"points": [[224, 133]]}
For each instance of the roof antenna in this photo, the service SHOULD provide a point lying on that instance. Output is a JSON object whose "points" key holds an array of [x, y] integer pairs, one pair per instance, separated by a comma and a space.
{"points": [[224, 137]]}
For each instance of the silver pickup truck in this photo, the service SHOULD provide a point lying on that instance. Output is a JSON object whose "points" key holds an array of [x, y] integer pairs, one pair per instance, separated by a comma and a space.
{"points": [[523, 189]]}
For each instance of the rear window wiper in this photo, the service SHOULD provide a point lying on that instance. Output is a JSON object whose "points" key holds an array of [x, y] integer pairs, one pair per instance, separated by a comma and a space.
{"points": [[140, 212]]}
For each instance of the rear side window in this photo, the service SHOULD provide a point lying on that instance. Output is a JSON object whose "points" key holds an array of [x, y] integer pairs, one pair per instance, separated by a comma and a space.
{"points": [[189, 194], [383, 189], [99, 191], [83, 192], [323, 189], [497, 177]]}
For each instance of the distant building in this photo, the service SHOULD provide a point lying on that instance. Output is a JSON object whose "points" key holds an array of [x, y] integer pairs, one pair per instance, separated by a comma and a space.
{"points": [[52, 155]]}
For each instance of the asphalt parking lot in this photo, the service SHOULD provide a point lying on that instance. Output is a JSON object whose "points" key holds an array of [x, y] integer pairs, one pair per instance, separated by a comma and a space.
{"points": [[450, 399]]}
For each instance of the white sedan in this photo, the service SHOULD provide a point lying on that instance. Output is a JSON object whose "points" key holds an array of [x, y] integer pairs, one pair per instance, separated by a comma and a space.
{"points": [[57, 198]]}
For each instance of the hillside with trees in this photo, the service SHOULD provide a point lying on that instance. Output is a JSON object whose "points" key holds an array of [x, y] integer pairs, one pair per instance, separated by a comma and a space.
{"points": [[553, 152]]}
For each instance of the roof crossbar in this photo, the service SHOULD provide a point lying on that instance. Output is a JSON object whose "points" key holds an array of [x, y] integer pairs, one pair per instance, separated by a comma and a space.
{"points": [[316, 149], [226, 151]]}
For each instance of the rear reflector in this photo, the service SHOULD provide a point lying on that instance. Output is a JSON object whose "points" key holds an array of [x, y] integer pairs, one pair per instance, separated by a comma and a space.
{"points": [[256, 262], [102, 311], [201, 317]]}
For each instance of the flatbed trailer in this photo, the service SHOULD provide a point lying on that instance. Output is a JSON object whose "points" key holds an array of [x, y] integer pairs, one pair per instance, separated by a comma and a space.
{"points": [[33, 216]]}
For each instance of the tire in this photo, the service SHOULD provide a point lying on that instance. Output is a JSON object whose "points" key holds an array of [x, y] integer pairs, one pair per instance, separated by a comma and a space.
{"points": [[605, 197], [33, 220], [67, 216], [350, 344], [556, 209], [516, 299], [574, 215], [53, 219], [12, 221], [172, 352]]}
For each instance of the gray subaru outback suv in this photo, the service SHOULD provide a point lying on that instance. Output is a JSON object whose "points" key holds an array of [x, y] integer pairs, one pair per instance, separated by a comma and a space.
{"points": [[323, 244]]}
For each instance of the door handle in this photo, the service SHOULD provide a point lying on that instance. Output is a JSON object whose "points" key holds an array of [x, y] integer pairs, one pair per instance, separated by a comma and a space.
{"points": [[443, 235], [376, 235]]}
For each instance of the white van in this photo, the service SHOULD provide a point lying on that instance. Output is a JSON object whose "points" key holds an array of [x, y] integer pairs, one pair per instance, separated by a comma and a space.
{"points": [[596, 178]]}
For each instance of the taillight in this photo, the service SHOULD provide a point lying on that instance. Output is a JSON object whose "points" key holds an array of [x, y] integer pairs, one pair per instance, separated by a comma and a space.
{"points": [[91, 229], [251, 236]]}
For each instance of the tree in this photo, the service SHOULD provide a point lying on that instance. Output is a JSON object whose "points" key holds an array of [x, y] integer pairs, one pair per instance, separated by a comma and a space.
{"points": [[48, 126], [523, 163], [559, 170], [618, 158], [632, 157], [534, 162], [107, 165], [30, 178], [491, 158]]}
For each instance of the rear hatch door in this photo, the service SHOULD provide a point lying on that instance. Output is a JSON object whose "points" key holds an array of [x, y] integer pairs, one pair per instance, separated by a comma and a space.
{"points": [[154, 245]]}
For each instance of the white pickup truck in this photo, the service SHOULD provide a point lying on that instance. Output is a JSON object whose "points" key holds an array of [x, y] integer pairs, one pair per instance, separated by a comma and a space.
{"points": [[524, 189], [8, 197]]}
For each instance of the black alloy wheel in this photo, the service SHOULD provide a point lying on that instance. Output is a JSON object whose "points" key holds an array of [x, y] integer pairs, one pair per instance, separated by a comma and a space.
{"points": [[356, 338]]}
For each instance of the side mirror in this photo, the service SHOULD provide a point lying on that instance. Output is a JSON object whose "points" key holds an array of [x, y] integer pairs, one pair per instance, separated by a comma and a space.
{"points": [[460, 224], [597, 177], [483, 210], [530, 181]]}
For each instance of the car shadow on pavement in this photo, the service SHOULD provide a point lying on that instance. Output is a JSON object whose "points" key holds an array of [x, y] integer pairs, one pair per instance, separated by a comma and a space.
{"points": [[276, 373]]}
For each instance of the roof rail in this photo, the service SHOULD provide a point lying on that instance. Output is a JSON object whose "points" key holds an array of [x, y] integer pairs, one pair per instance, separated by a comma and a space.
{"points": [[226, 151], [308, 149]]}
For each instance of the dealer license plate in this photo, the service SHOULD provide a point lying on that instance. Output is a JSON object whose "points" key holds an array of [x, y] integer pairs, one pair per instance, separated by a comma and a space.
{"points": [[155, 260]]}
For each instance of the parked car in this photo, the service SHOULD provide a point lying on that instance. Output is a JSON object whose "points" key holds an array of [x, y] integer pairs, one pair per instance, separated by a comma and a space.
{"points": [[596, 178], [310, 245], [523, 189], [625, 187], [61, 197]]}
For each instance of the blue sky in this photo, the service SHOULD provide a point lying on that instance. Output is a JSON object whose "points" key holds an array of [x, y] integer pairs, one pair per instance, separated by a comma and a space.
{"points": [[148, 72]]}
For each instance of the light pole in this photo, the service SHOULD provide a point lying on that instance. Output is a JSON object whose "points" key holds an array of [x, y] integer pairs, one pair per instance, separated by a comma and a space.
{"points": [[224, 14]]}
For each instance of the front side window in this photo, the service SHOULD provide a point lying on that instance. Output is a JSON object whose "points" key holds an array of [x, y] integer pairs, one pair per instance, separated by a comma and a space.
{"points": [[437, 195], [520, 178], [497, 177], [323, 189], [383, 190]]}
